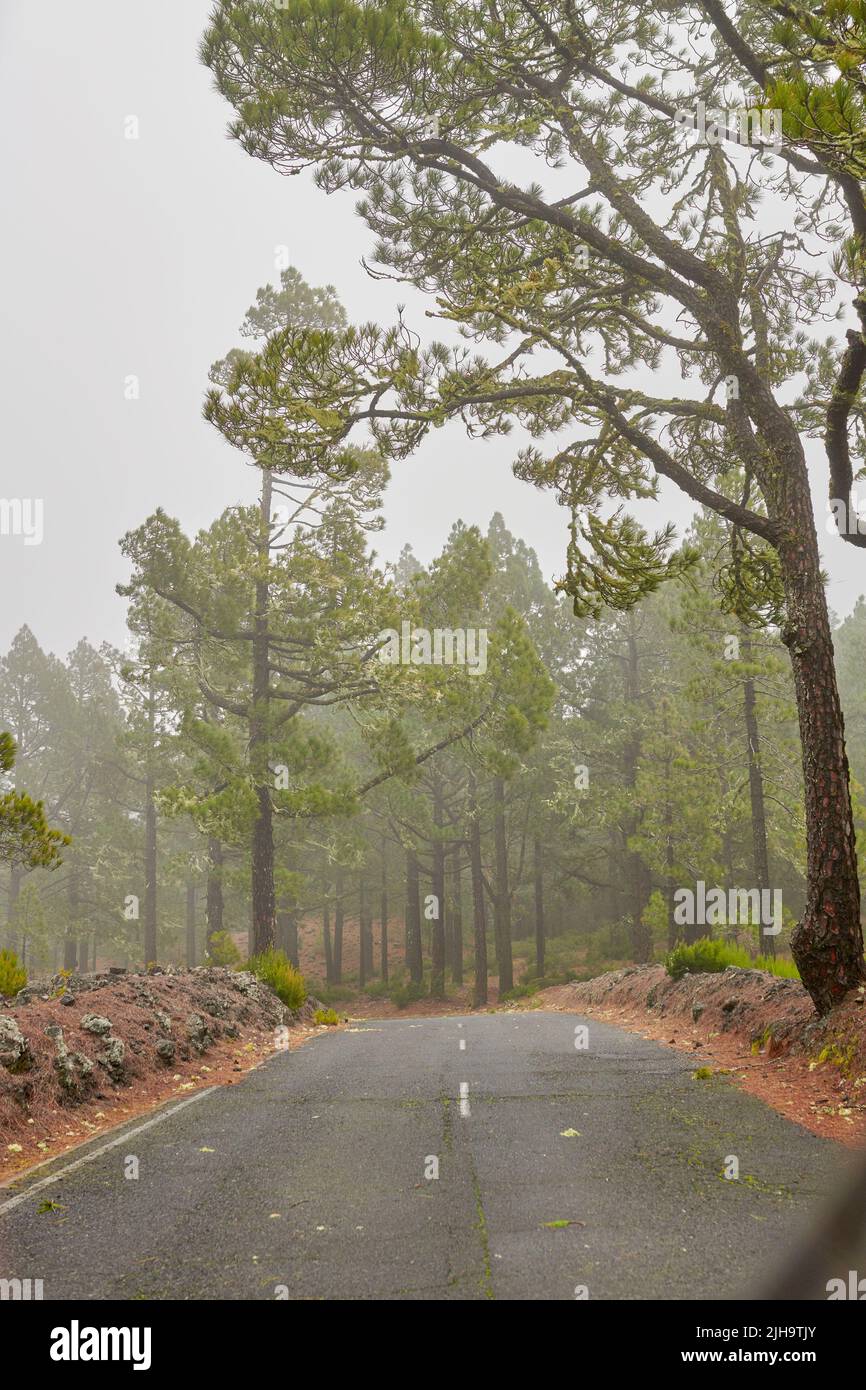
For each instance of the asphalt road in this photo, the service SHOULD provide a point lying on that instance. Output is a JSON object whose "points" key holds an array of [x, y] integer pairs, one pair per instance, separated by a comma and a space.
{"points": [[312, 1178]]}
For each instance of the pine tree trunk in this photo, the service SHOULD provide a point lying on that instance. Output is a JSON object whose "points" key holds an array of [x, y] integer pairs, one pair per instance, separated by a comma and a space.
{"points": [[15, 878], [362, 933], [263, 896], [326, 941], [150, 887], [214, 904], [413, 920], [190, 926], [502, 899], [539, 906], [456, 919], [383, 916], [640, 882], [670, 882], [70, 944], [338, 928], [479, 923], [827, 943], [437, 953], [756, 788]]}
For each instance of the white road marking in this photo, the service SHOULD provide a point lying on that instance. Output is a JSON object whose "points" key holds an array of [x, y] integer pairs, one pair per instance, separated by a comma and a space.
{"points": [[97, 1153], [464, 1099], [462, 1044]]}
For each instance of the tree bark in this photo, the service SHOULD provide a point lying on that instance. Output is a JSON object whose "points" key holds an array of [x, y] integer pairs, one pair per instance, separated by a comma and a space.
{"points": [[149, 942], [214, 904], [263, 897], [502, 897], [326, 940], [539, 905], [383, 916], [70, 943], [15, 878], [760, 852], [640, 881], [338, 927], [479, 924], [827, 943], [362, 933], [437, 953], [413, 919], [456, 919], [190, 926]]}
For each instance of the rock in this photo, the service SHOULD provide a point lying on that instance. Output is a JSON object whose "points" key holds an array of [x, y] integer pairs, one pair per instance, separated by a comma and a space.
{"points": [[165, 1050], [96, 1023], [83, 1064], [163, 1020], [112, 1058], [198, 1033], [729, 1005], [117, 970], [73, 1069], [68, 999], [15, 1052], [697, 1010]]}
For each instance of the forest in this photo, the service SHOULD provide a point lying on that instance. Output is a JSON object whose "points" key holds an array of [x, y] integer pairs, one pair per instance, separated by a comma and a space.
{"points": [[254, 761]]}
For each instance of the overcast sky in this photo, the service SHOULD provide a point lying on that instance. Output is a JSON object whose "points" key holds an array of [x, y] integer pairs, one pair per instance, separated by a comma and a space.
{"points": [[140, 257]]}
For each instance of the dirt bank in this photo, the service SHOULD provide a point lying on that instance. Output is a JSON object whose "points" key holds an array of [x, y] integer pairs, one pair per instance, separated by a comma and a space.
{"points": [[79, 1055]]}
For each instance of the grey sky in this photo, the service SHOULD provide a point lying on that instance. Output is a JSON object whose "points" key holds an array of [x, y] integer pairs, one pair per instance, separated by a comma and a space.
{"points": [[140, 257]]}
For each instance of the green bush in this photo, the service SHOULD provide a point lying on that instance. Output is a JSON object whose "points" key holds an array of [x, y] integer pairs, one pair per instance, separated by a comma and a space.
{"points": [[275, 968], [378, 989], [518, 992], [404, 995], [12, 975], [221, 950], [326, 1016], [708, 957]]}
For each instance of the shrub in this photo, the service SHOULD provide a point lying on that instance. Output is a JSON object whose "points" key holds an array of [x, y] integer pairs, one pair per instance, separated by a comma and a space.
{"points": [[326, 1016], [518, 992], [378, 989], [708, 957], [275, 968], [221, 950], [12, 975], [407, 994]]}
